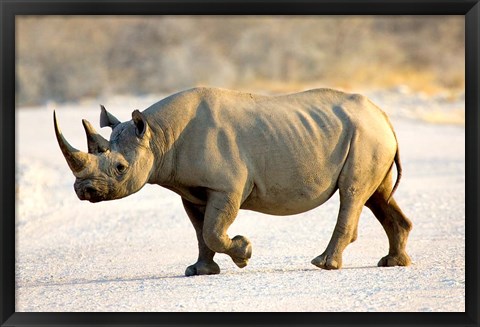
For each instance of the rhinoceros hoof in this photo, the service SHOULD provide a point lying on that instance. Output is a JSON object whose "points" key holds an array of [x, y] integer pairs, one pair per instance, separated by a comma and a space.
{"points": [[241, 263], [327, 262], [395, 260], [202, 268], [243, 251]]}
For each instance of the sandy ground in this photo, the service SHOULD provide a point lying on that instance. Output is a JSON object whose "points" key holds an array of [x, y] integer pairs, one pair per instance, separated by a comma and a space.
{"points": [[130, 254]]}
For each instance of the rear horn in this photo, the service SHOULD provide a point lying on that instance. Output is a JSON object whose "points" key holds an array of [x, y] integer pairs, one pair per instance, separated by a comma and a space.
{"points": [[96, 142]]}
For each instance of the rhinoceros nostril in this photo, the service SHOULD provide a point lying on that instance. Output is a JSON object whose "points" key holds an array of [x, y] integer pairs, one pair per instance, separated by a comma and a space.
{"points": [[89, 191]]}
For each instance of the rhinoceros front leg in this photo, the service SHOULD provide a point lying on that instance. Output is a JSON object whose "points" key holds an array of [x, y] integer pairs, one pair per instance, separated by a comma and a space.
{"points": [[205, 264], [221, 211]]}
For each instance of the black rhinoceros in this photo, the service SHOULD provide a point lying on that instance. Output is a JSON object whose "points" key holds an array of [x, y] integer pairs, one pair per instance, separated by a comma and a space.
{"points": [[223, 150]]}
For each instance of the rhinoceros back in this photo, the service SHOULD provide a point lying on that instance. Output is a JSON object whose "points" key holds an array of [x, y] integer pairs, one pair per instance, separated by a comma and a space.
{"points": [[284, 153]]}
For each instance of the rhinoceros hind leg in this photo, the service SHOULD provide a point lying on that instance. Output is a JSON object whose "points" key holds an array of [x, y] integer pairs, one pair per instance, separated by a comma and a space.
{"points": [[356, 183], [395, 260], [327, 262], [343, 234], [396, 225]]}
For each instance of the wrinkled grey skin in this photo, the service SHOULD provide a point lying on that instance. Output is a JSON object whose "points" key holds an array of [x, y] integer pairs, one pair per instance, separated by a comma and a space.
{"points": [[222, 151]]}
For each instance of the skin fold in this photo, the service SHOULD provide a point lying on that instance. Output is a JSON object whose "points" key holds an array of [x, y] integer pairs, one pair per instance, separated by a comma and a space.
{"points": [[223, 151]]}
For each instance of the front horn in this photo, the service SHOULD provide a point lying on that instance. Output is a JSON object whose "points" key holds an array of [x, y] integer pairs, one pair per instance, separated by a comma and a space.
{"points": [[76, 159]]}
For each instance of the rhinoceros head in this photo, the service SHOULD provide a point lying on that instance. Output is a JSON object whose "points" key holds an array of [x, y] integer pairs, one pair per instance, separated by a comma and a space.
{"points": [[111, 169]]}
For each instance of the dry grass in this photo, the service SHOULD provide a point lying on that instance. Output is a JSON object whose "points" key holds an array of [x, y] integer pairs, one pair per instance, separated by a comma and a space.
{"points": [[455, 116], [65, 58]]}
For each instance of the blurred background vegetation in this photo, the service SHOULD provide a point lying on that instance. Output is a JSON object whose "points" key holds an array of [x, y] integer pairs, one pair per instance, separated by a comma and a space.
{"points": [[68, 58]]}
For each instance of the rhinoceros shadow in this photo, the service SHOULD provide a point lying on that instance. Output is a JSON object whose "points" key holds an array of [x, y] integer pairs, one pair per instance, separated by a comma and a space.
{"points": [[98, 281], [264, 271], [153, 278]]}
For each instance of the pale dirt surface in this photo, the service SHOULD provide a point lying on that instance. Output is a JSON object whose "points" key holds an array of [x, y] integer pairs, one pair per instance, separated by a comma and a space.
{"points": [[130, 254]]}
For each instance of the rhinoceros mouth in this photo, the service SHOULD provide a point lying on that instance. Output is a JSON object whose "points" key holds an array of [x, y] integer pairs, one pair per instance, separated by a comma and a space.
{"points": [[95, 200], [91, 196], [86, 191]]}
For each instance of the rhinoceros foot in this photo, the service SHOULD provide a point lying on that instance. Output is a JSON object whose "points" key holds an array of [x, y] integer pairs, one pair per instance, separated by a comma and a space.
{"points": [[202, 268], [243, 251], [395, 260], [326, 261]]}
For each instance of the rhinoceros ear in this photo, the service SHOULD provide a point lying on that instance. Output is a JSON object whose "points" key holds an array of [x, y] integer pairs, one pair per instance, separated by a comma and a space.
{"points": [[107, 119], [140, 123]]}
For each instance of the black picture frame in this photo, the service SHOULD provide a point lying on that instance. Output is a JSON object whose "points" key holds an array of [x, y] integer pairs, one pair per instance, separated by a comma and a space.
{"points": [[10, 8]]}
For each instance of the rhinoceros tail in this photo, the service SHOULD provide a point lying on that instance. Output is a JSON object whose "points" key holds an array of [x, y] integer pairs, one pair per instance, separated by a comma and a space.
{"points": [[399, 173], [396, 159]]}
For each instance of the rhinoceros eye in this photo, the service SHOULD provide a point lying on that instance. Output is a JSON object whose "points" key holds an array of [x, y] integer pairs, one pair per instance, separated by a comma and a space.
{"points": [[121, 168]]}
